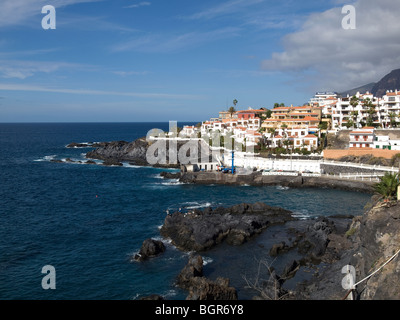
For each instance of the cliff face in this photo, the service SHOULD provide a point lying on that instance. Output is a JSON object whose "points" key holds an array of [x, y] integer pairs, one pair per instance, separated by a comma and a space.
{"points": [[378, 238], [374, 238]]}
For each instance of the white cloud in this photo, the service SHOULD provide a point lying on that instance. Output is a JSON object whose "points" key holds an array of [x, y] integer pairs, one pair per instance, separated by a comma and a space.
{"points": [[130, 73], [137, 5], [23, 69], [225, 8], [174, 43], [326, 55], [38, 88], [16, 12]]}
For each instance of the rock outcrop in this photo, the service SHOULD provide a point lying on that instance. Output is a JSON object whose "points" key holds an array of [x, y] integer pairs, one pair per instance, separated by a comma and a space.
{"points": [[378, 239], [199, 230], [200, 288], [119, 151], [135, 152], [87, 144], [150, 248], [368, 243]]}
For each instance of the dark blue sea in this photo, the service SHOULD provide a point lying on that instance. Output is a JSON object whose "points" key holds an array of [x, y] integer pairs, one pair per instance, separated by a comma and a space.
{"points": [[88, 220]]}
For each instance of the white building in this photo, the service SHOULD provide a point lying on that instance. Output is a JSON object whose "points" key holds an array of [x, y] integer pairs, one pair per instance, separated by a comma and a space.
{"points": [[323, 98], [345, 114], [362, 138]]}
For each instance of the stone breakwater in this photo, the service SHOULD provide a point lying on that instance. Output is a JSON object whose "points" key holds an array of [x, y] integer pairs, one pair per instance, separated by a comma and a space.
{"points": [[257, 179]]}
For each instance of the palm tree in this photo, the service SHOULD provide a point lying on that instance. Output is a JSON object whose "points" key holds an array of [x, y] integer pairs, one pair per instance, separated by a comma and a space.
{"points": [[392, 117], [387, 186], [349, 124], [354, 116], [272, 131], [286, 143], [284, 126], [354, 102], [235, 102], [370, 110], [232, 110]]}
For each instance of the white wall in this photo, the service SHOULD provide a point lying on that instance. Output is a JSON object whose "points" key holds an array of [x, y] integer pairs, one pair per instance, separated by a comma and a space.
{"points": [[275, 164]]}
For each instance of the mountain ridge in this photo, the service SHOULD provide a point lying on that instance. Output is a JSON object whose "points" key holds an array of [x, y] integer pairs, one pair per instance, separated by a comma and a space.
{"points": [[391, 81]]}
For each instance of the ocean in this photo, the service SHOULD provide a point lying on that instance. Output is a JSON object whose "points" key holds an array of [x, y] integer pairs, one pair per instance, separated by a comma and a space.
{"points": [[88, 220]]}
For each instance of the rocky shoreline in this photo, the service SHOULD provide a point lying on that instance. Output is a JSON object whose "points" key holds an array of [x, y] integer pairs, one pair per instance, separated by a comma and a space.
{"points": [[115, 153], [364, 242], [325, 243], [197, 231]]}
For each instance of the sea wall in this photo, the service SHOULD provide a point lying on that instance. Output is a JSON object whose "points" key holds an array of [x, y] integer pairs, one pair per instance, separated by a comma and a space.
{"points": [[257, 179]]}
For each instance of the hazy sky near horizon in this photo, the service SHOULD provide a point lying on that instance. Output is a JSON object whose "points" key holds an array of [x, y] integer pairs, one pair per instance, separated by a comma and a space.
{"points": [[185, 60]]}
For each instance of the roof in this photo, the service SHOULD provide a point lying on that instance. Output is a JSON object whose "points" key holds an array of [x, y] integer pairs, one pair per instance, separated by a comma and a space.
{"points": [[292, 120], [363, 132], [304, 113], [241, 128], [310, 119], [246, 111], [311, 136]]}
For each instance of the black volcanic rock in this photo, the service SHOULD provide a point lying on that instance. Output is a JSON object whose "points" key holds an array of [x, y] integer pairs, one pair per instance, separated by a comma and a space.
{"points": [[121, 151], [200, 288], [135, 152], [200, 230], [150, 248]]}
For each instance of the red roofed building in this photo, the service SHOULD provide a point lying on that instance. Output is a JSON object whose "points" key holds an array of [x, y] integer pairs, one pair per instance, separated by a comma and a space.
{"points": [[362, 138]]}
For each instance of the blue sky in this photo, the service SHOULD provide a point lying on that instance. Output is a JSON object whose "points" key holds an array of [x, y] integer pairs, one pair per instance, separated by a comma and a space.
{"points": [[185, 60]]}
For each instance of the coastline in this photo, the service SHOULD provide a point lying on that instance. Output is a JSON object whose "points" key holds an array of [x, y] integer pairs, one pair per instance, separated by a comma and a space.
{"points": [[135, 153]]}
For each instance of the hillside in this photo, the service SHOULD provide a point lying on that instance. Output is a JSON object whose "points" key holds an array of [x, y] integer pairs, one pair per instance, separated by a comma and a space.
{"points": [[340, 140], [364, 88], [391, 81]]}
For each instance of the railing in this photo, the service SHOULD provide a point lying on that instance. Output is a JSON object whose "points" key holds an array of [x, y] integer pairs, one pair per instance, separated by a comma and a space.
{"points": [[306, 174], [357, 176], [280, 173]]}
